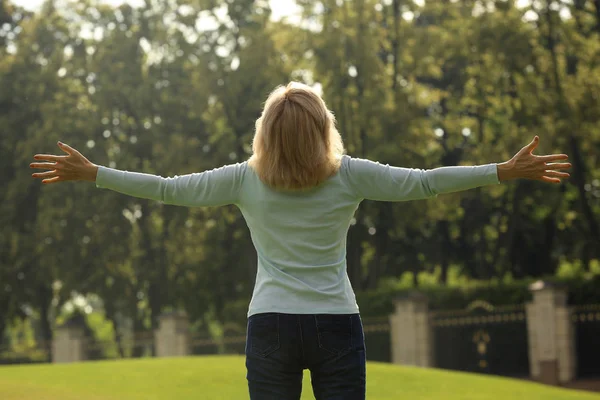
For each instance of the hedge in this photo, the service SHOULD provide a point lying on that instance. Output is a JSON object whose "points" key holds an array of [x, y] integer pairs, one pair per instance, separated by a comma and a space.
{"points": [[381, 302]]}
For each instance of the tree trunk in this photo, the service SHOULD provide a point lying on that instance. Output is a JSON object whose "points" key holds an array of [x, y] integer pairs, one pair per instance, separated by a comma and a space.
{"points": [[4, 305], [500, 243], [444, 230], [354, 254], [44, 300], [513, 229], [396, 41], [597, 7], [415, 269], [109, 309], [385, 223], [156, 271], [139, 331]]}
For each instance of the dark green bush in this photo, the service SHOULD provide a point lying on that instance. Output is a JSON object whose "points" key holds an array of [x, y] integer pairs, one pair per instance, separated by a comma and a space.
{"points": [[381, 302]]}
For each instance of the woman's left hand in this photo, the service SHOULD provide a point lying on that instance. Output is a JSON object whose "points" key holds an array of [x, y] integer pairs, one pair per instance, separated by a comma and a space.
{"points": [[72, 167]]}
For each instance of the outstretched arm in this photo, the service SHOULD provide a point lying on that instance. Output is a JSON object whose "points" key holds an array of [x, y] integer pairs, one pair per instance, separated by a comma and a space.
{"points": [[375, 181], [210, 188]]}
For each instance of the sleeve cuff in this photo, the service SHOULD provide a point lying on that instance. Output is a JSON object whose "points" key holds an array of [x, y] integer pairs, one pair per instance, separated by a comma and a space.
{"points": [[102, 176], [495, 178]]}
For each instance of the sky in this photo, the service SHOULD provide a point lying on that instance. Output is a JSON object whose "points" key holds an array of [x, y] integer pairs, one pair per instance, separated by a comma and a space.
{"points": [[279, 8], [282, 8]]}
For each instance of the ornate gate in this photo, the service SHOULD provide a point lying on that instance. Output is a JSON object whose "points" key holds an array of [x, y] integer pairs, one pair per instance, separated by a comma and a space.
{"points": [[482, 339]]}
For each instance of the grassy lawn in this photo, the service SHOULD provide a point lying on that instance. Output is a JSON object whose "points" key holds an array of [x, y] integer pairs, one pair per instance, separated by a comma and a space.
{"points": [[223, 377]]}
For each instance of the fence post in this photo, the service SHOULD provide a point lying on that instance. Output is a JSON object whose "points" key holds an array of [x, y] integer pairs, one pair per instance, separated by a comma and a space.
{"points": [[412, 335], [550, 335], [69, 344], [173, 335]]}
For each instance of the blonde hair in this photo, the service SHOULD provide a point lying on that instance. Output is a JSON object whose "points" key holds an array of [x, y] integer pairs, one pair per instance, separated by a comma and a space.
{"points": [[296, 144]]}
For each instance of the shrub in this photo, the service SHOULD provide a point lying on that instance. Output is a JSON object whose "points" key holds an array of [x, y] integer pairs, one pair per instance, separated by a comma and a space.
{"points": [[380, 302]]}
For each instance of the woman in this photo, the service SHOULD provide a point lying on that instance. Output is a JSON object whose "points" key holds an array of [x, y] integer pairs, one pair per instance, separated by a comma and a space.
{"points": [[298, 193]]}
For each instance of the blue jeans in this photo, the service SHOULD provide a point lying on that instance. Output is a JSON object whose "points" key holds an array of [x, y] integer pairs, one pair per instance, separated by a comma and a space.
{"points": [[279, 347]]}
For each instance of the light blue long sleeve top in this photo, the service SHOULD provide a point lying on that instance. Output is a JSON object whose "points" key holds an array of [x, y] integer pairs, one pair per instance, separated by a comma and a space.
{"points": [[300, 237]]}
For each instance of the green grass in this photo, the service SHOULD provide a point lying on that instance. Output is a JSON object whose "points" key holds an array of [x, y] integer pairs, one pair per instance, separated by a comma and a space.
{"points": [[223, 377]]}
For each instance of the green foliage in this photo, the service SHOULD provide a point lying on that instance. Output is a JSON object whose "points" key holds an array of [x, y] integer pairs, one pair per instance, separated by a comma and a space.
{"points": [[576, 269], [24, 347], [381, 303]]}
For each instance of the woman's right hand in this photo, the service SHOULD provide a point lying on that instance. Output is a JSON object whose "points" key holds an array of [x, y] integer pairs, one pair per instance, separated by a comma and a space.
{"points": [[526, 165], [72, 167]]}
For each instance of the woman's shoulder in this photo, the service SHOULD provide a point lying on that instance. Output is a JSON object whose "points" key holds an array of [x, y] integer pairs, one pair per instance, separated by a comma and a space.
{"points": [[238, 169], [353, 164]]}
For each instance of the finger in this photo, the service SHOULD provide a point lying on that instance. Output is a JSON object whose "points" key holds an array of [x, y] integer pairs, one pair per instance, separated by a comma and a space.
{"points": [[47, 174], [64, 147], [557, 174], [67, 149], [558, 166], [534, 143], [43, 165], [550, 180], [49, 157], [553, 157], [52, 180]]}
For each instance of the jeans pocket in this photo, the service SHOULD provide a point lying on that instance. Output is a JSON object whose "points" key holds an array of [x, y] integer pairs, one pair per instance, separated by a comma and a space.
{"points": [[334, 332], [263, 334]]}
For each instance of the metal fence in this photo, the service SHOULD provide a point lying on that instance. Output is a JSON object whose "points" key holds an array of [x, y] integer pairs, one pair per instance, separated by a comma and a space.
{"points": [[484, 340], [587, 340], [203, 345], [377, 339]]}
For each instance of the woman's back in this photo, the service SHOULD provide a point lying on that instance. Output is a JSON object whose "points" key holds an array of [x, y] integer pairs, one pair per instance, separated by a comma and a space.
{"points": [[300, 239]]}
